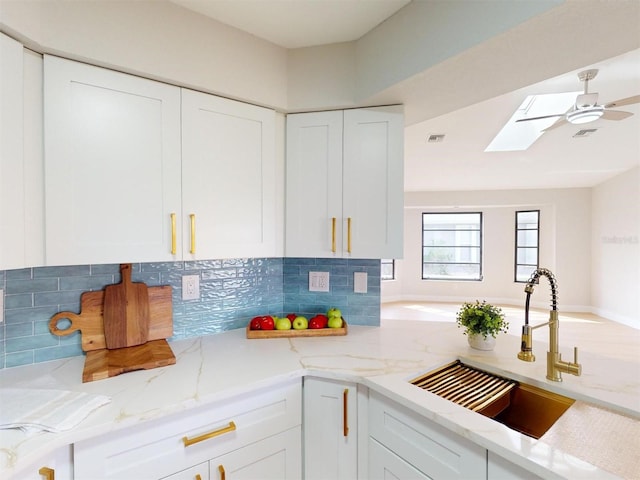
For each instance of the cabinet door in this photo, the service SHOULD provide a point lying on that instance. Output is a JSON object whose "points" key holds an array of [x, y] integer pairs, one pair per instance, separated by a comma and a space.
{"points": [[228, 178], [427, 446], [21, 171], [373, 183], [314, 184], [112, 165], [330, 429], [384, 464], [197, 472], [275, 458]]}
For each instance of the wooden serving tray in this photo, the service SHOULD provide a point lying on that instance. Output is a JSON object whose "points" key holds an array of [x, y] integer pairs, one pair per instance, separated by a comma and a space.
{"points": [[307, 332]]}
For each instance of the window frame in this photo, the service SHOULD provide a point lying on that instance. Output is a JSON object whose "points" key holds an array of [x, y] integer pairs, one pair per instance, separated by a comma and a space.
{"points": [[480, 247], [388, 261], [516, 245]]}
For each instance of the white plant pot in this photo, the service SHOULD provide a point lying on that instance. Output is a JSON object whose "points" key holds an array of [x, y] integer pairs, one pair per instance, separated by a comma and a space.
{"points": [[480, 343]]}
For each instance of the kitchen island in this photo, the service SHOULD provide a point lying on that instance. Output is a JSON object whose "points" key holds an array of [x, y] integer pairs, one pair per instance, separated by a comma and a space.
{"points": [[383, 359]]}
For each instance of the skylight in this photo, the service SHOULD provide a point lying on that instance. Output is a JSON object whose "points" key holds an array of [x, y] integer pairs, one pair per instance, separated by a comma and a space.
{"points": [[520, 136]]}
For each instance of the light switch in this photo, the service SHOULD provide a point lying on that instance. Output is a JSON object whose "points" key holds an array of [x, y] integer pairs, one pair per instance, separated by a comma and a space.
{"points": [[318, 281], [360, 282]]}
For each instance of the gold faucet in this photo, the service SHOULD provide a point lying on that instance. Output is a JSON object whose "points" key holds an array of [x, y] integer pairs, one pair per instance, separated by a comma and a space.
{"points": [[555, 364]]}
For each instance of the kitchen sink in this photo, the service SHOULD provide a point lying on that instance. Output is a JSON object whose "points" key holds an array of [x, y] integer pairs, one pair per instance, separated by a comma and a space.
{"points": [[524, 408]]}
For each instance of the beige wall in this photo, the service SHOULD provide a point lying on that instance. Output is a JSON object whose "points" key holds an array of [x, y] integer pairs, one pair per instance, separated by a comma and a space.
{"points": [[155, 39], [565, 247], [615, 275]]}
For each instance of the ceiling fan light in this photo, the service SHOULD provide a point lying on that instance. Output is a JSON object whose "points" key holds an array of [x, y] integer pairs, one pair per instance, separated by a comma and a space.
{"points": [[585, 115]]}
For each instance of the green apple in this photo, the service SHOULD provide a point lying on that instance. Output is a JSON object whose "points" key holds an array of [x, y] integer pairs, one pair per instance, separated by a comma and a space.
{"points": [[300, 323], [334, 312], [283, 324], [334, 322]]}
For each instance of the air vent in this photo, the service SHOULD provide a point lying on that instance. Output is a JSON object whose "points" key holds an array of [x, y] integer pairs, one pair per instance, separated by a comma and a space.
{"points": [[585, 132], [435, 138]]}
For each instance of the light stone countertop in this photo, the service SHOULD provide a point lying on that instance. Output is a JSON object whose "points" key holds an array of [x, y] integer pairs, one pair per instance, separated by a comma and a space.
{"points": [[383, 358]]}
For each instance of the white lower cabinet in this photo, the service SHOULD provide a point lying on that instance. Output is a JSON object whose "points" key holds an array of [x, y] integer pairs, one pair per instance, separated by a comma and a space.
{"points": [[421, 444], [57, 465], [275, 458], [383, 463], [260, 429], [499, 468], [330, 429]]}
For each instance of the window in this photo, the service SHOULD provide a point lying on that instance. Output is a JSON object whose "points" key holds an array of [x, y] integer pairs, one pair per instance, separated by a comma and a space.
{"points": [[387, 269], [452, 246], [527, 239]]}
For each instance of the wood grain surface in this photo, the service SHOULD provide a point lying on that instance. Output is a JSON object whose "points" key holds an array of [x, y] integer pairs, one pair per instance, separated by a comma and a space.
{"points": [[91, 324], [105, 363], [126, 312]]}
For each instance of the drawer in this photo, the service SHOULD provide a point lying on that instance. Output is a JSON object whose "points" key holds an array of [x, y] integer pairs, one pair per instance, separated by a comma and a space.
{"points": [[156, 449], [427, 446]]}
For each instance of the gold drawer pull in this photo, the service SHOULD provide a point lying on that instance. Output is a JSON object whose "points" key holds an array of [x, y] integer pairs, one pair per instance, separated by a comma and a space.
{"points": [[198, 477], [223, 475], [173, 234], [221, 431], [333, 234], [193, 233], [345, 407], [47, 473], [349, 235]]}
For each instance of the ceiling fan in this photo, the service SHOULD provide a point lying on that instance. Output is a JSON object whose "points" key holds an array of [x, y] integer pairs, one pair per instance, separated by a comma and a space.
{"points": [[586, 108]]}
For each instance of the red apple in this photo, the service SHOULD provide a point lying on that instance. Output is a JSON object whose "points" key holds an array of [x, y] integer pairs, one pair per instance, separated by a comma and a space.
{"points": [[256, 323], [322, 319], [292, 316], [315, 323], [267, 323]]}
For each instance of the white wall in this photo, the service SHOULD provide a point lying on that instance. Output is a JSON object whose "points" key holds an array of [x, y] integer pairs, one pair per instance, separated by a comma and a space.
{"points": [[615, 279], [565, 247], [155, 39]]}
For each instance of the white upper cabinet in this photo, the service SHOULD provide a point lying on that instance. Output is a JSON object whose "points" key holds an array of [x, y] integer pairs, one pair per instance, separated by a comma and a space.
{"points": [[21, 170], [112, 166], [228, 178], [345, 183]]}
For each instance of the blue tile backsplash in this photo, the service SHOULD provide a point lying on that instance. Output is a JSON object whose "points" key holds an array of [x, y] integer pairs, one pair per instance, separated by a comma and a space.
{"points": [[231, 293]]}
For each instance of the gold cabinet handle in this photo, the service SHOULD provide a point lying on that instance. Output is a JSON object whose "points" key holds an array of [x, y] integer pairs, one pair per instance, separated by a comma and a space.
{"points": [[47, 473], [221, 431], [349, 235], [198, 477], [223, 475], [193, 233], [173, 234], [333, 234], [345, 418]]}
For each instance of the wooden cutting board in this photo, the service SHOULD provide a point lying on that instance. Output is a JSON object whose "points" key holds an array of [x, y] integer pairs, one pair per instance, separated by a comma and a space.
{"points": [[126, 312], [91, 324], [105, 363]]}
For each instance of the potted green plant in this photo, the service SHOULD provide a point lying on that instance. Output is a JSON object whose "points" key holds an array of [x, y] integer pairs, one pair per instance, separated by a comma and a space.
{"points": [[482, 323]]}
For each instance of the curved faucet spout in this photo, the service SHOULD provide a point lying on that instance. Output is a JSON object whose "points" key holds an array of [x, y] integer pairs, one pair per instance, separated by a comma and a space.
{"points": [[555, 364], [535, 279]]}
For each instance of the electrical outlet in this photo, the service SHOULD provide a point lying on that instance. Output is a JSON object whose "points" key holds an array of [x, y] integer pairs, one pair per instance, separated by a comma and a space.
{"points": [[1, 306], [318, 281], [190, 287], [360, 282]]}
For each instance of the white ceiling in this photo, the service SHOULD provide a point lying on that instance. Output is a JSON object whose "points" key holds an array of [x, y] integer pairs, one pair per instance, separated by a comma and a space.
{"points": [[556, 160], [299, 23]]}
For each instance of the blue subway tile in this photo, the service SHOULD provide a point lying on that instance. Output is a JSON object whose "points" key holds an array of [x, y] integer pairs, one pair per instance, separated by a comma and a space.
{"points": [[18, 358], [29, 286], [65, 271], [23, 300]]}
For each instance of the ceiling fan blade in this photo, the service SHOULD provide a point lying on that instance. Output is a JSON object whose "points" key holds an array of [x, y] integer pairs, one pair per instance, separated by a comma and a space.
{"points": [[624, 101], [539, 118], [557, 124], [615, 115]]}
